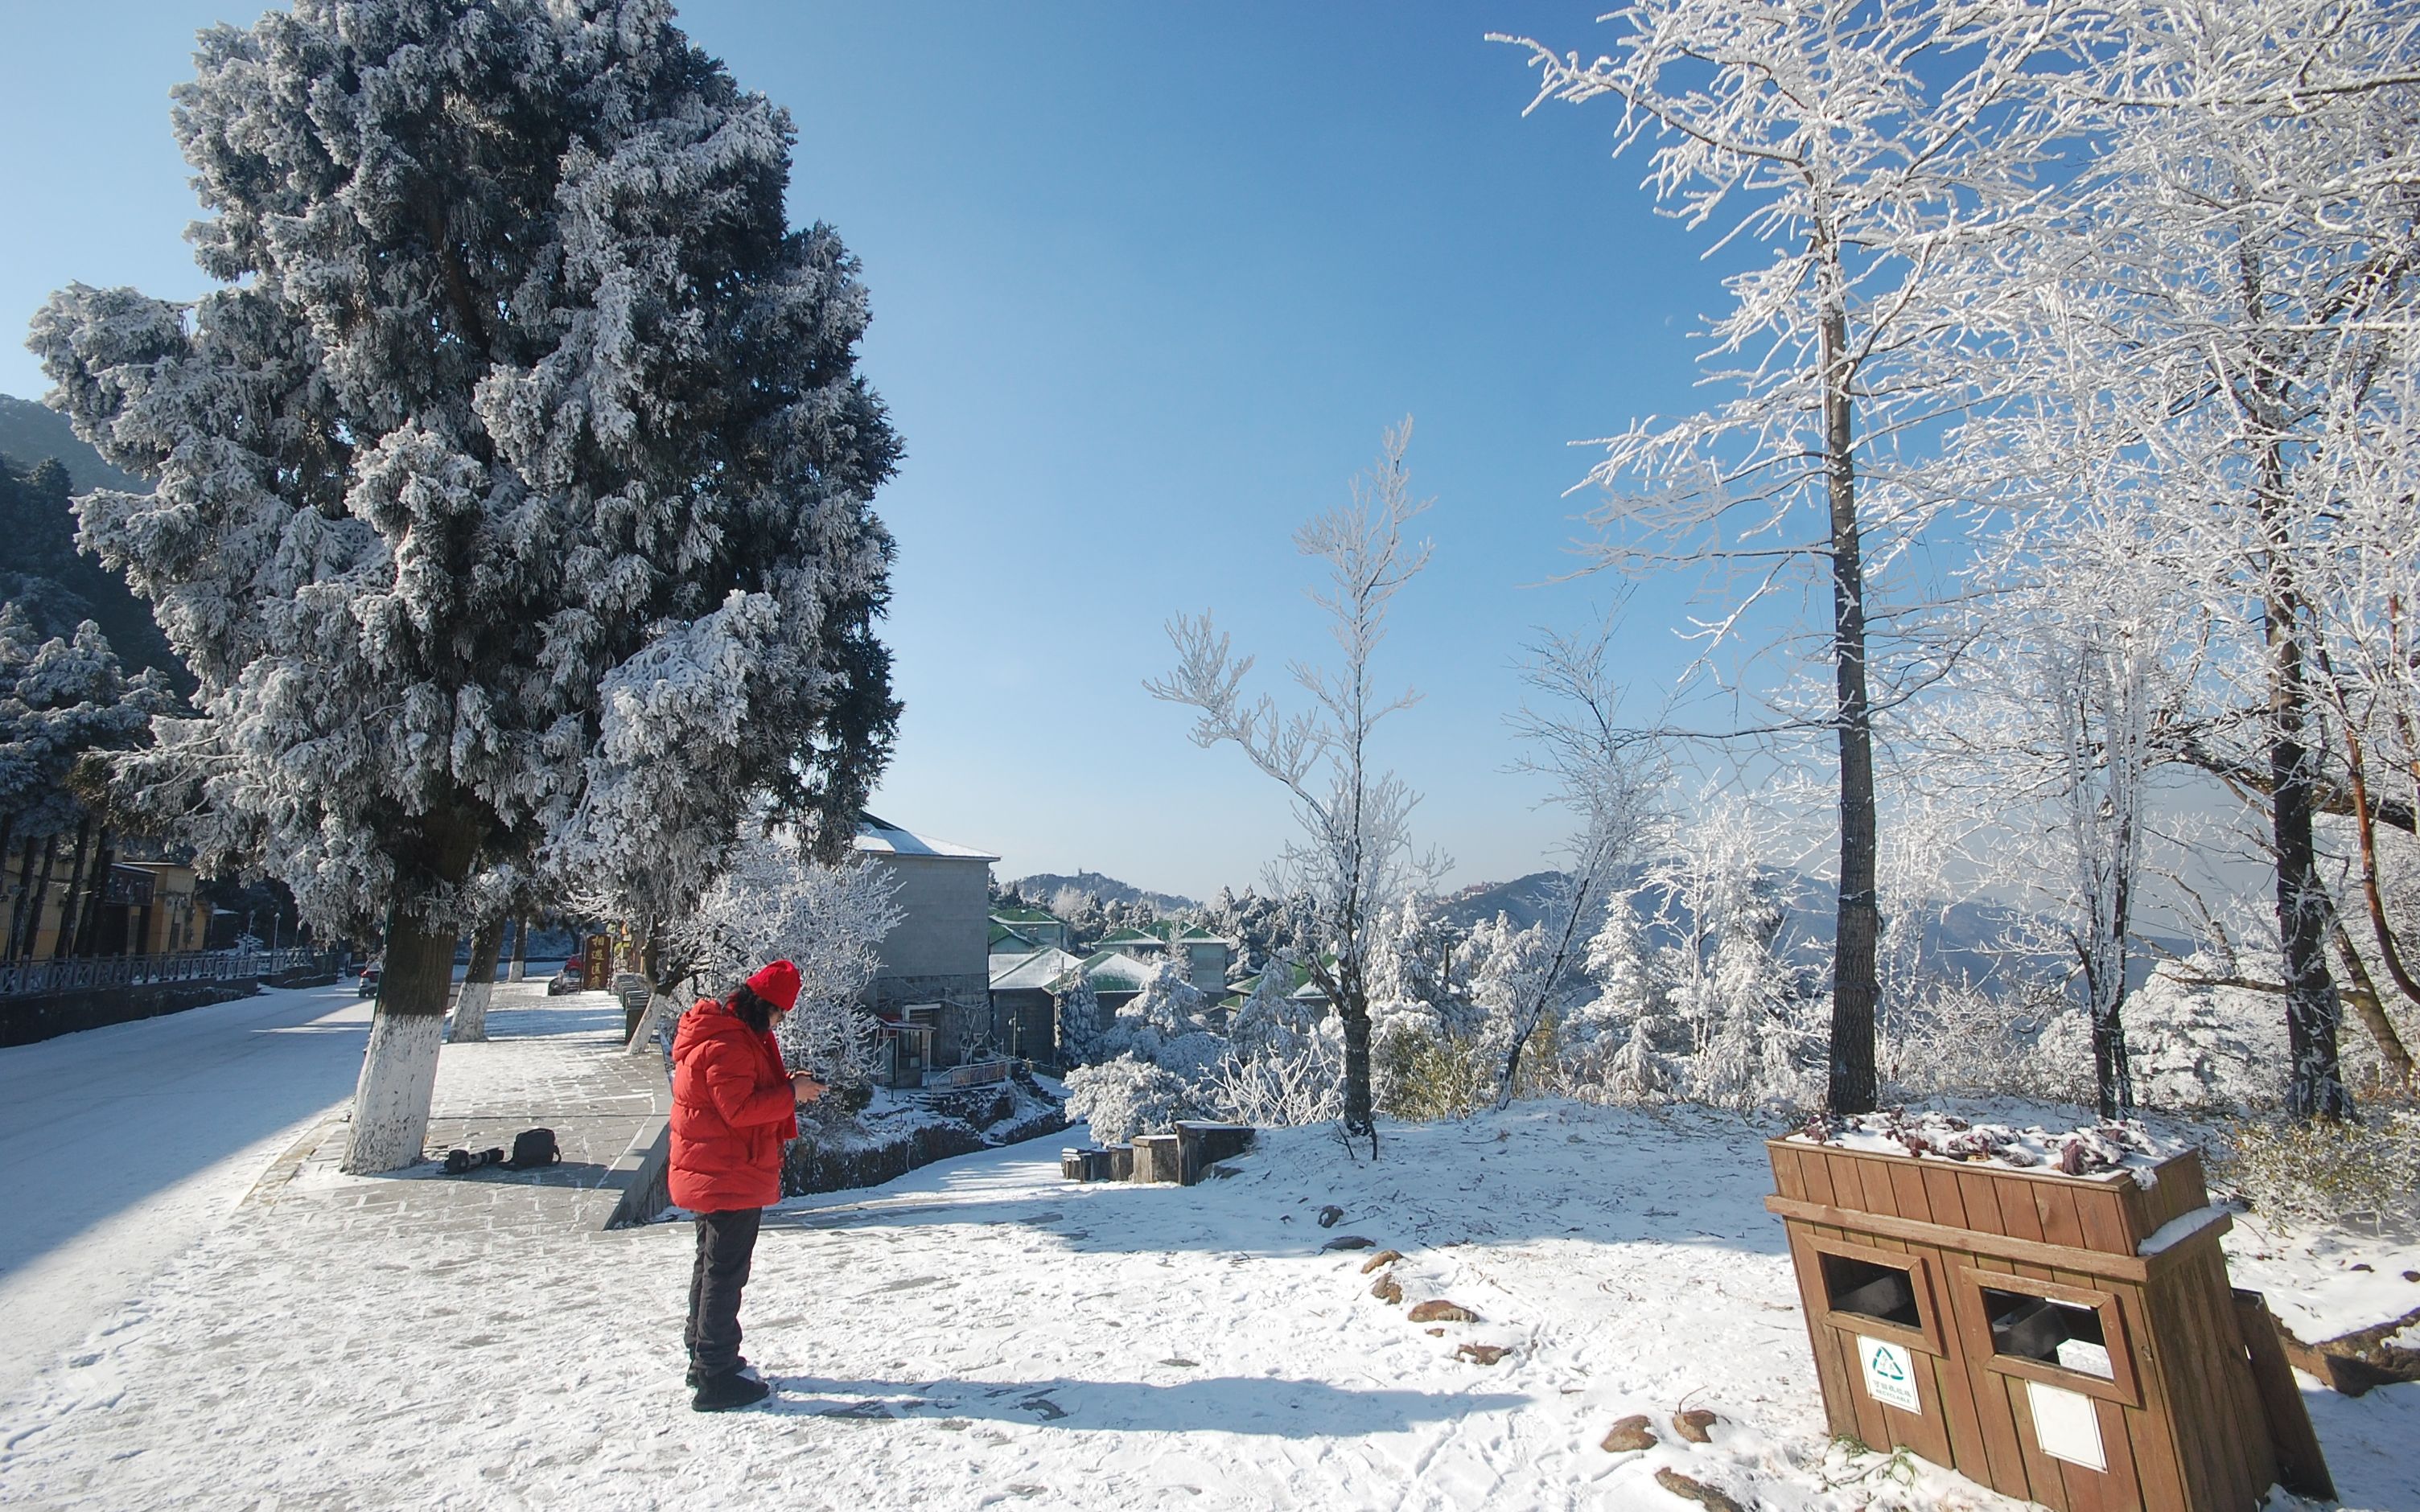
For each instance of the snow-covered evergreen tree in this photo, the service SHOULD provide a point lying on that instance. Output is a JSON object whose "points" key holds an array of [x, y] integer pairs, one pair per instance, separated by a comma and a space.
{"points": [[1079, 1020], [512, 489], [63, 701]]}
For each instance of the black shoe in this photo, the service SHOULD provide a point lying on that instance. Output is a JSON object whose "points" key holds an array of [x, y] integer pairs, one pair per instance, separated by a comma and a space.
{"points": [[696, 1377], [731, 1389]]}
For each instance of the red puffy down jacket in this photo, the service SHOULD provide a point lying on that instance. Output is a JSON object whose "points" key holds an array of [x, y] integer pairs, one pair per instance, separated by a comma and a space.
{"points": [[732, 1107]]}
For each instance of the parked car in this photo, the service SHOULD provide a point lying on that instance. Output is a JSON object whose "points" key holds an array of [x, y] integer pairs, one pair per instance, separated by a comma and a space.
{"points": [[573, 977], [369, 983]]}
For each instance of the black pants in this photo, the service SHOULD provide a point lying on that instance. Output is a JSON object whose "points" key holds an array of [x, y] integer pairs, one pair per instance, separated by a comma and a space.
{"points": [[726, 1241]]}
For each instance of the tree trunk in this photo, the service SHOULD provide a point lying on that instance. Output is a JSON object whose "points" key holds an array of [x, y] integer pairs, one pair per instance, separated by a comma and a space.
{"points": [[399, 1069], [1857, 930], [398, 1072], [663, 998], [20, 900], [1360, 1118], [2360, 991], [37, 897], [2315, 1085], [71, 902], [519, 970], [97, 896], [2113, 1073], [478, 983]]}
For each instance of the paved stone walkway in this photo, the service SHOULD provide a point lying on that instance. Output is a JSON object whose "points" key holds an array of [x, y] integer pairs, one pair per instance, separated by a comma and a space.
{"points": [[548, 1062]]}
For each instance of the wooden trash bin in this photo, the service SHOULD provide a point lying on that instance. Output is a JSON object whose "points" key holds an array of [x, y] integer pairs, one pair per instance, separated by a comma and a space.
{"points": [[2069, 1340]]}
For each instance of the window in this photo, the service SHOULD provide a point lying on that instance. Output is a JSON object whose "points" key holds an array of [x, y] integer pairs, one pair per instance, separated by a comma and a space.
{"points": [[2070, 1337], [2063, 1333], [1868, 1289]]}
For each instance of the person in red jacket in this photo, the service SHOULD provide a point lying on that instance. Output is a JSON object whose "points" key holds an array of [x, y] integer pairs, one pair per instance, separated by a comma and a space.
{"points": [[732, 1106]]}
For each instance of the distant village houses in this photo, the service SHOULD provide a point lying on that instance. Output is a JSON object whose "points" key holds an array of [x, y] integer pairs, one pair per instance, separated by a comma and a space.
{"points": [[1033, 971]]}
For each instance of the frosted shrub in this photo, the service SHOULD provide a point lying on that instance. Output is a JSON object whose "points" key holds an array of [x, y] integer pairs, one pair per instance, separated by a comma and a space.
{"points": [[1943, 1036], [1121, 1097], [2329, 1173], [1288, 1089], [2203, 1049]]}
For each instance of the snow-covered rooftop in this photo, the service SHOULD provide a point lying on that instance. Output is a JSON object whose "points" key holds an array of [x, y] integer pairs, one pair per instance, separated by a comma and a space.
{"points": [[1038, 969], [1111, 971], [876, 838]]}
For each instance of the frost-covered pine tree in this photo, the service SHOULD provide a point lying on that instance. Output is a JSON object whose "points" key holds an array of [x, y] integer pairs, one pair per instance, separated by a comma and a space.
{"points": [[1080, 1019], [63, 701], [513, 488]]}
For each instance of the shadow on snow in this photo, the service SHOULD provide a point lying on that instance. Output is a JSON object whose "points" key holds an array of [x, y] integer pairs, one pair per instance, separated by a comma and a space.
{"points": [[1250, 1405]]}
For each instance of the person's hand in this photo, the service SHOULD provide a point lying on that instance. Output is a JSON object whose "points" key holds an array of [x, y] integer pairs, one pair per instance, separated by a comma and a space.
{"points": [[805, 1086]]}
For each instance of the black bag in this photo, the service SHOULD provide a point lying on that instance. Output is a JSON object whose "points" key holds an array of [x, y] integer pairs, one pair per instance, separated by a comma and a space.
{"points": [[533, 1147]]}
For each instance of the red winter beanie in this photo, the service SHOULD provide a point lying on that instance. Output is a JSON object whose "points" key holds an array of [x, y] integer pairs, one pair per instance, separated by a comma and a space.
{"points": [[777, 984]]}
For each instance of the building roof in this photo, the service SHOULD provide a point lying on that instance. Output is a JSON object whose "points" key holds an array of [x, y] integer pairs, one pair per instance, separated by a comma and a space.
{"points": [[1025, 916], [1111, 971], [1004, 940], [877, 838], [1037, 970], [1127, 934]]}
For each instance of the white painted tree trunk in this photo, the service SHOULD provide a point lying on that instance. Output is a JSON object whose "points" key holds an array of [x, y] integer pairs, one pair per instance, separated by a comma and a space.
{"points": [[470, 1022], [391, 1101], [663, 1008], [519, 968]]}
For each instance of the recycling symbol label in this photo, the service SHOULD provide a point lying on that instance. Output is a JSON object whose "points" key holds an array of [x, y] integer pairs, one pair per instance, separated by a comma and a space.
{"points": [[1890, 1373]]}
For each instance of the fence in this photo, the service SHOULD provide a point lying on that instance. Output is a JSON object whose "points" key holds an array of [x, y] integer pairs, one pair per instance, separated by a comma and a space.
{"points": [[25, 979]]}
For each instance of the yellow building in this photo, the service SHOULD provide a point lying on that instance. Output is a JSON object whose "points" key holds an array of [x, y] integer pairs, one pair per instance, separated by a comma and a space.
{"points": [[146, 908]]}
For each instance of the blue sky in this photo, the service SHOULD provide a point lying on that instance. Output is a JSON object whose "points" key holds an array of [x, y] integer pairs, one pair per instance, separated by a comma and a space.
{"points": [[1148, 283]]}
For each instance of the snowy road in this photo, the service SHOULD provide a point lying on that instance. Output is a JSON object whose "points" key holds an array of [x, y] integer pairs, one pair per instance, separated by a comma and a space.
{"points": [[126, 1144]]}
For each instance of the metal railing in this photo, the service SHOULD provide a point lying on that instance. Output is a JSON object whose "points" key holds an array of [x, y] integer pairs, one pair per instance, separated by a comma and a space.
{"points": [[24, 978]]}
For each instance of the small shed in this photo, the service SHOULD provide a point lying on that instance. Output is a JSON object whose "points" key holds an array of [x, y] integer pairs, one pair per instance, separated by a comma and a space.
{"points": [[2069, 1340]]}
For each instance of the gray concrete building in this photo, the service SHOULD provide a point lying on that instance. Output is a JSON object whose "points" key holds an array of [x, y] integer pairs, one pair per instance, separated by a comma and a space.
{"points": [[934, 970]]}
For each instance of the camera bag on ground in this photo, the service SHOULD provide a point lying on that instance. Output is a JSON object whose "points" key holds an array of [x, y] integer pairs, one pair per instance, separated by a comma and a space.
{"points": [[533, 1147]]}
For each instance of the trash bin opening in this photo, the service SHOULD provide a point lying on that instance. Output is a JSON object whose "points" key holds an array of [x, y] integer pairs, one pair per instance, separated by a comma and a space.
{"points": [[1867, 1290], [2047, 1330]]}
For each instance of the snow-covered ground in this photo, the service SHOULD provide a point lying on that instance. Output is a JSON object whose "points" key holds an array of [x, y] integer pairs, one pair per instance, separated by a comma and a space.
{"points": [[124, 1145], [981, 1332]]}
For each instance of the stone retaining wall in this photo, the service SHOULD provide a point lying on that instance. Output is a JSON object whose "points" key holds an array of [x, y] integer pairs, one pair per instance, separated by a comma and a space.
{"points": [[810, 1167]]}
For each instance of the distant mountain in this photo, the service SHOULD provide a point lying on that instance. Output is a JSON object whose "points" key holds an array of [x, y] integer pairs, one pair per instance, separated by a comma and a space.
{"points": [[1043, 886], [1963, 939], [1519, 900], [41, 572], [30, 432]]}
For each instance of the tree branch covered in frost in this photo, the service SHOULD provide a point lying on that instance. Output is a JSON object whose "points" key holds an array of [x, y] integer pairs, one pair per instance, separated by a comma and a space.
{"points": [[1869, 150], [2211, 347]]}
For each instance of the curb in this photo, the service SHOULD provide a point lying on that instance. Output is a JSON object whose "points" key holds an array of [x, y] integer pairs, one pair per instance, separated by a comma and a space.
{"points": [[641, 1174], [281, 1170]]}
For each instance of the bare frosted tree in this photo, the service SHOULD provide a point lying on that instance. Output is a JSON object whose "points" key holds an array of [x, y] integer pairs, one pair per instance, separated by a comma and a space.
{"points": [[2222, 321], [1863, 145], [1607, 782], [1356, 853], [775, 901]]}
